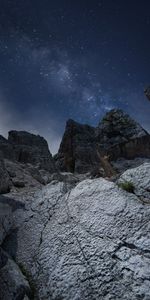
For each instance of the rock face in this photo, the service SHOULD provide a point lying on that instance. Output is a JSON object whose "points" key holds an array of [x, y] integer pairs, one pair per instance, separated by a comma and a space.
{"points": [[83, 148], [91, 242], [25, 160], [25, 147], [4, 177], [120, 136], [6, 149], [147, 92], [77, 150], [30, 148], [13, 284]]}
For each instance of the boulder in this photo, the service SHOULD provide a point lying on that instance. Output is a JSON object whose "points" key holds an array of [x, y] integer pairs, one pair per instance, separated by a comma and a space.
{"points": [[91, 242], [25, 175], [141, 187], [13, 284]]}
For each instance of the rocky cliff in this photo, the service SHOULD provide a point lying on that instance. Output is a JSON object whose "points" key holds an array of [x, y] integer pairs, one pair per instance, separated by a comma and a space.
{"points": [[25, 147], [77, 151], [116, 136]]}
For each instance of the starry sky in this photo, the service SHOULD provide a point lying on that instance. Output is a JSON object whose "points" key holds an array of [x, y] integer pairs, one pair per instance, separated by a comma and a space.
{"points": [[72, 59]]}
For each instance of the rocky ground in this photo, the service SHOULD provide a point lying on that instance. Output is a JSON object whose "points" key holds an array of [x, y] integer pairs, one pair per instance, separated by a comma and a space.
{"points": [[77, 240], [76, 226]]}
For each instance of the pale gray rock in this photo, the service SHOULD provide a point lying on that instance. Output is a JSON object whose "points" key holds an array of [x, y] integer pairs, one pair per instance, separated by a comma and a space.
{"points": [[140, 178], [91, 242]]}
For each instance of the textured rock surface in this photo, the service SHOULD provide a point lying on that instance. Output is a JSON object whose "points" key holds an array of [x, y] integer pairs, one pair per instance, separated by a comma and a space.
{"points": [[13, 284], [91, 242], [6, 148], [23, 175], [25, 147], [120, 136], [4, 177], [147, 92], [116, 136], [141, 181], [30, 148], [122, 164], [78, 150]]}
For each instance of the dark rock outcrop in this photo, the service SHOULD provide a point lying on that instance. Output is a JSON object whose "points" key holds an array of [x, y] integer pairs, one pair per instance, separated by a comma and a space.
{"points": [[117, 135], [6, 149], [30, 148], [4, 177], [25, 147], [147, 92], [13, 283], [78, 148]]}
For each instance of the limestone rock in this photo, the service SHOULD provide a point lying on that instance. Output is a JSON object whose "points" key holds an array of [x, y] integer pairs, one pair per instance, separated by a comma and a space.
{"points": [[4, 177], [6, 149], [77, 152], [23, 175], [91, 242], [30, 148], [13, 284], [25, 147], [84, 148], [6, 219], [140, 179], [120, 136]]}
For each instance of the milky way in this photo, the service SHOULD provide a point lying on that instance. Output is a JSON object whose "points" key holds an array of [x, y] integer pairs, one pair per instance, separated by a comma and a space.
{"points": [[72, 59]]}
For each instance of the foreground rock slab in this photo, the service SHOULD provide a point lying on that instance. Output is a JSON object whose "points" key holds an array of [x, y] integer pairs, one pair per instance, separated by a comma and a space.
{"points": [[91, 242]]}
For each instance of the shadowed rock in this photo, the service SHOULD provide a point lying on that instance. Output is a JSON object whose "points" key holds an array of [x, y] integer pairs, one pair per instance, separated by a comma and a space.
{"points": [[117, 135], [4, 177], [147, 92], [120, 136], [30, 148], [77, 151]]}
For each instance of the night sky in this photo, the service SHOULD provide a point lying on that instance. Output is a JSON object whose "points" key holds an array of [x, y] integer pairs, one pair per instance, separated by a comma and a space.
{"points": [[72, 59]]}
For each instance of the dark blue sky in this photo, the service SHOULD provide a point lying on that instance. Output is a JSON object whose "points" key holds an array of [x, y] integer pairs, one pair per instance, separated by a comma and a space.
{"points": [[72, 59]]}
